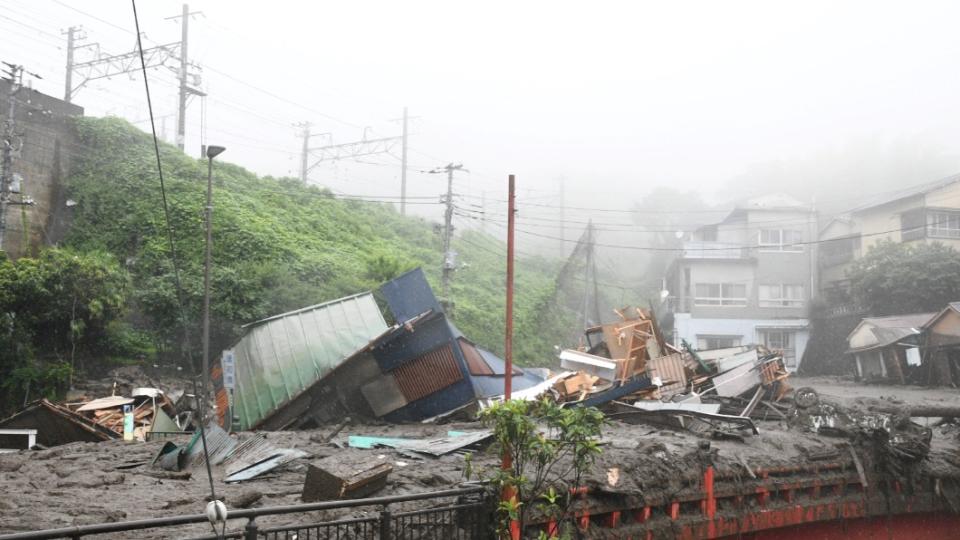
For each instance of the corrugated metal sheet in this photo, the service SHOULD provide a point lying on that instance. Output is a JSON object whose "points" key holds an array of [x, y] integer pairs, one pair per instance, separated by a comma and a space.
{"points": [[670, 369], [475, 363], [219, 445], [282, 356], [427, 374]]}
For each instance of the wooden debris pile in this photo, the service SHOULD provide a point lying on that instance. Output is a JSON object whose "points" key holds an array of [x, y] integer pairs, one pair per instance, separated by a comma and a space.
{"points": [[150, 409]]}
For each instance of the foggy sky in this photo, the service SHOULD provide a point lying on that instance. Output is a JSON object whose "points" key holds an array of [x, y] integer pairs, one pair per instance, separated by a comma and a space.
{"points": [[617, 97]]}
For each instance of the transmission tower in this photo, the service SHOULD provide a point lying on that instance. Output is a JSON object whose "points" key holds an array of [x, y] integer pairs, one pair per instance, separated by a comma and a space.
{"points": [[104, 65], [310, 158]]}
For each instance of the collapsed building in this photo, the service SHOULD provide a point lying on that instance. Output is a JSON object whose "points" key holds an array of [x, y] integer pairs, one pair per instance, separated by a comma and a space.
{"points": [[921, 348], [340, 358]]}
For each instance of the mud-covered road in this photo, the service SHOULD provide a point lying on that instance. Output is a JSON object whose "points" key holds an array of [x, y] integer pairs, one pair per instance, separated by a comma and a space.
{"points": [[87, 483]]}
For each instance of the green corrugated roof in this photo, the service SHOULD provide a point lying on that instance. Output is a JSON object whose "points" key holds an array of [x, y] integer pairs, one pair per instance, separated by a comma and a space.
{"points": [[280, 357]]}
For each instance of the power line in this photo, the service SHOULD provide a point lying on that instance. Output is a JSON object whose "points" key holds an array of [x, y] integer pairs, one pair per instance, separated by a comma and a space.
{"points": [[747, 246], [30, 26], [94, 17], [283, 99], [622, 227], [166, 213], [227, 75]]}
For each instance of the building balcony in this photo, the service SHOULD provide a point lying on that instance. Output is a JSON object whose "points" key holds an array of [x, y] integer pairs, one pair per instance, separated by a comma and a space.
{"points": [[714, 250]]}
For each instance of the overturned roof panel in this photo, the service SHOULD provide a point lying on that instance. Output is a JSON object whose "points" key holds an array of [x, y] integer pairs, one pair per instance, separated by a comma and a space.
{"points": [[410, 295], [58, 425], [280, 357]]}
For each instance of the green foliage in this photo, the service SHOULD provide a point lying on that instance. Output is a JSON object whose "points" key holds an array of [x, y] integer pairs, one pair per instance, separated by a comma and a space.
{"points": [[57, 310], [382, 267], [550, 448], [277, 245], [895, 278]]}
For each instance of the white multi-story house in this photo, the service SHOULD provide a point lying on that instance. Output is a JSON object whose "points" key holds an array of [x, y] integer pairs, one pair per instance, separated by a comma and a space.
{"points": [[925, 213], [747, 279]]}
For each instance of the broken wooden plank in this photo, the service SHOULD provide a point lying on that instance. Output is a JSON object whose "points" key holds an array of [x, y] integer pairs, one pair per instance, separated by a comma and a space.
{"points": [[322, 484], [757, 396]]}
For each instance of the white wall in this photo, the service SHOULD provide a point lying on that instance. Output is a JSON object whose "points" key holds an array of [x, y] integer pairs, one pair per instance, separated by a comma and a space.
{"points": [[686, 327]]}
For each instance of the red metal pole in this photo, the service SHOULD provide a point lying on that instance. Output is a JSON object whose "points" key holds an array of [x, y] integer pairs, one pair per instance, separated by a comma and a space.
{"points": [[510, 492], [508, 338]]}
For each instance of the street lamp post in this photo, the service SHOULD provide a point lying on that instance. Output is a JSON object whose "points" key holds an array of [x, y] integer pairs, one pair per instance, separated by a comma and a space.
{"points": [[212, 152]]}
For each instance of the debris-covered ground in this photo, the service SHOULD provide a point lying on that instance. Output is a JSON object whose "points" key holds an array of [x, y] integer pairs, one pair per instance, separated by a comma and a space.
{"points": [[83, 483]]}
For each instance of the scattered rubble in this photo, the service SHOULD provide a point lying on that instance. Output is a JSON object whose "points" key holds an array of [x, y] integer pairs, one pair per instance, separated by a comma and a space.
{"points": [[645, 461], [376, 409], [345, 481]]}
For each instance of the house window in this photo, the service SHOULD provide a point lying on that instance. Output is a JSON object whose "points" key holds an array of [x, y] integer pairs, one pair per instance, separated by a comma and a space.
{"points": [[706, 343], [942, 224], [720, 294], [913, 224], [780, 240], [784, 341], [708, 234], [782, 295], [834, 251]]}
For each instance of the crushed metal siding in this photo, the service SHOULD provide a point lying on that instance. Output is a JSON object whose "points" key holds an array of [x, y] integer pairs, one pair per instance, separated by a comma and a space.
{"points": [[670, 369], [427, 374], [282, 356]]}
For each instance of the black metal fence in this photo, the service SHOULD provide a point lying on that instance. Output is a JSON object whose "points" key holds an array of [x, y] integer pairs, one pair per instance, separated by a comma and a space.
{"points": [[457, 514]]}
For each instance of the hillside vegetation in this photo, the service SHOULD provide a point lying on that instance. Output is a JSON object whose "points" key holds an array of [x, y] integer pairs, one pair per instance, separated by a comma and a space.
{"points": [[278, 245]]}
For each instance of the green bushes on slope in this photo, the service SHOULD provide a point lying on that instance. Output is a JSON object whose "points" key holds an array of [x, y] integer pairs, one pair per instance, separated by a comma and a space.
{"points": [[278, 245]]}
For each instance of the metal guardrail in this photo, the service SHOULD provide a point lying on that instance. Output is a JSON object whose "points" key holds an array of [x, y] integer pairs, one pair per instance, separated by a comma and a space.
{"points": [[466, 520]]}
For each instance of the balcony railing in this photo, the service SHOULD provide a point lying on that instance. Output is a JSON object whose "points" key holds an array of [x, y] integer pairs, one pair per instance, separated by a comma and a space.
{"points": [[714, 250]]}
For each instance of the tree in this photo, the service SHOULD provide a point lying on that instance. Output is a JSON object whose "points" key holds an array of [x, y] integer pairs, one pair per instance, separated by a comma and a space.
{"points": [[550, 449], [895, 278], [55, 311]]}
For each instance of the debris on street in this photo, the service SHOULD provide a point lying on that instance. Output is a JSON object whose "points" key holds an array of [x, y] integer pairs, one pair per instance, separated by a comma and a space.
{"points": [[348, 481], [57, 424]]}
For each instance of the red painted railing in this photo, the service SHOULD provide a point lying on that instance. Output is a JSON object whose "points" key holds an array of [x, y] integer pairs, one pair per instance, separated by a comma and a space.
{"points": [[827, 496]]}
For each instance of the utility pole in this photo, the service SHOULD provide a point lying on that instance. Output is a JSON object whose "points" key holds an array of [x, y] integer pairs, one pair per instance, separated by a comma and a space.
{"points": [[68, 84], [563, 225], [483, 211], [403, 168], [182, 98], [449, 262], [305, 149], [185, 89]]}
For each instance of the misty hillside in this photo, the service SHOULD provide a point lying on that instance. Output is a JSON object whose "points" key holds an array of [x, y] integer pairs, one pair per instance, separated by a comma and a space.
{"points": [[278, 245]]}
